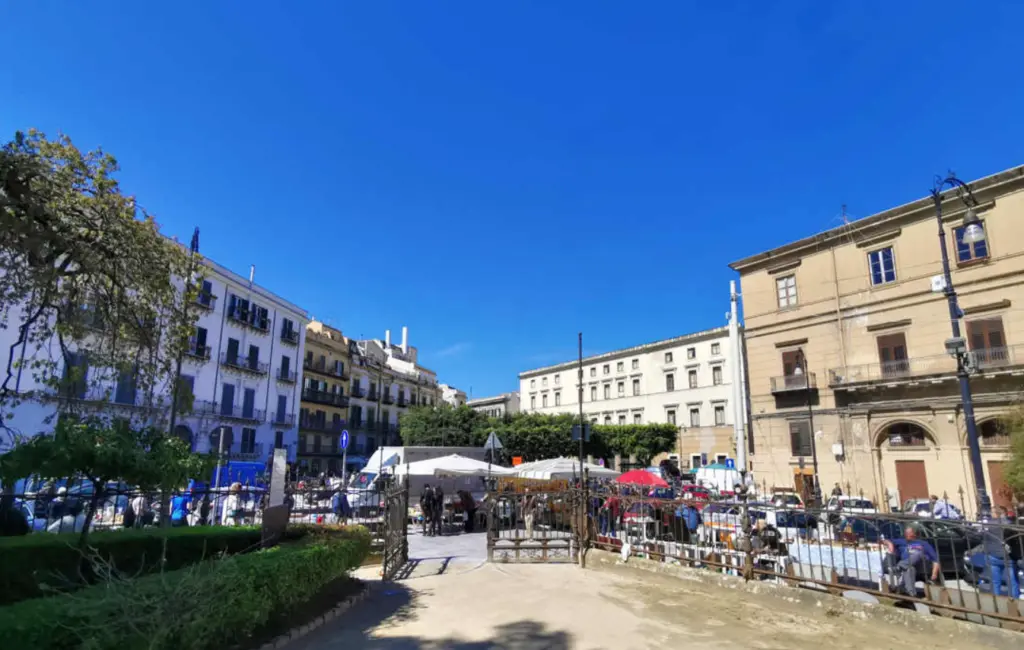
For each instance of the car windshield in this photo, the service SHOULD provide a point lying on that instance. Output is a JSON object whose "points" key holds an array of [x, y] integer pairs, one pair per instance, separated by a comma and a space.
{"points": [[788, 499], [363, 479], [856, 503], [795, 520]]}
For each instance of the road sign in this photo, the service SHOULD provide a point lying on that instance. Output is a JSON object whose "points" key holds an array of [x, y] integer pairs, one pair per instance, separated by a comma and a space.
{"points": [[492, 442], [343, 439], [586, 432], [730, 463]]}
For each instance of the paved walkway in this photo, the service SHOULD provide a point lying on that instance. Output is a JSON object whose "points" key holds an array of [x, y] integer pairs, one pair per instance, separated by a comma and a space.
{"points": [[524, 607]]}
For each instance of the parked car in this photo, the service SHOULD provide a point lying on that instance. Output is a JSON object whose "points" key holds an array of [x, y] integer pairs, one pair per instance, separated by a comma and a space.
{"points": [[840, 506], [787, 500], [951, 541], [923, 508]]}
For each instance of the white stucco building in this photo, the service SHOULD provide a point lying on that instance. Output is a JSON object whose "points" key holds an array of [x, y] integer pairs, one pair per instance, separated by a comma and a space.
{"points": [[452, 395], [243, 368], [685, 381], [496, 406]]}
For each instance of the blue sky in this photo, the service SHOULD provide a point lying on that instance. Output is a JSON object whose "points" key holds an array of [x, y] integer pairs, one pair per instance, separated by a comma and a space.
{"points": [[500, 176]]}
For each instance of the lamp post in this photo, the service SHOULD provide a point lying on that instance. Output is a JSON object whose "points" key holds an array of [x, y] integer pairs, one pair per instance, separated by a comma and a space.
{"points": [[801, 370], [973, 233]]}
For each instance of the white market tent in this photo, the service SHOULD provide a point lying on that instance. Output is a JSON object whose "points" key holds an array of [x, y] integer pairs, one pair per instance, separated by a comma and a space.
{"points": [[561, 468], [452, 465]]}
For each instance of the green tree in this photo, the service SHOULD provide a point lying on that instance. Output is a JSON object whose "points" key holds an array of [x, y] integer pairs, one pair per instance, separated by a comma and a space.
{"points": [[444, 425], [86, 277], [1015, 468]]}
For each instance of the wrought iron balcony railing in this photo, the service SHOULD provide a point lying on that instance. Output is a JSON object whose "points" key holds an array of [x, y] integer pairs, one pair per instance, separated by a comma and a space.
{"points": [[239, 362], [788, 383]]}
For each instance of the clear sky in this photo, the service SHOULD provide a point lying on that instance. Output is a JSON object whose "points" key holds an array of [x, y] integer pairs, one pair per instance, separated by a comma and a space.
{"points": [[501, 175]]}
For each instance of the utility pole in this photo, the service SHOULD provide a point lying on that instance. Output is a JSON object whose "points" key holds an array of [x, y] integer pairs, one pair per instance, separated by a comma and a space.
{"points": [[735, 348], [579, 375]]}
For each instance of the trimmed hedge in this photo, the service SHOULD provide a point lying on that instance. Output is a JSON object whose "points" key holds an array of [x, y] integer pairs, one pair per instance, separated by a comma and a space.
{"points": [[209, 605], [31, 563]]}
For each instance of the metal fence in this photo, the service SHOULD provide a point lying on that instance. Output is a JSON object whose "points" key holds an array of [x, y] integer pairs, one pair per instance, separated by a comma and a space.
{"points": [[963, 569], [533, 523]]}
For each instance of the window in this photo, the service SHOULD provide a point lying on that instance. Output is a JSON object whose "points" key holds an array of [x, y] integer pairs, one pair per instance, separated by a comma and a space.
{"points": [[800, 437], [125, 391], [249, 403], [622, 419], [905, 434], [622, 389], [695, 417], [593, 372], [544, 400], [593, 393], [967, 252], [691, 353], [533, 401], [696, 461], [558, 399], [892, 354], [716, 375], [533, 383], [636, 418], [670, 382], [883, 266], [721, 458], [227, 399], [282, 408], [670, 416], [719, 416], [607, 419], [620, 366], [716, 348], [692, 377], [606, 369], [248, 445], [668, 357], [636, 386], [636, 363], [558, 379], [279, 440], [786, 287], [544, 381], [607, 391]]}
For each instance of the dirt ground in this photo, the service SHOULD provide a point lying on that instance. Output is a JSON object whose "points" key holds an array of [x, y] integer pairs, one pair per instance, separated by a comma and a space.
{"points": [[526, 607]]}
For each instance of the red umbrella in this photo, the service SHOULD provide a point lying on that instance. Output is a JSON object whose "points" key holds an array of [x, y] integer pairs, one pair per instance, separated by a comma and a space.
{"points": [[641, 477]]}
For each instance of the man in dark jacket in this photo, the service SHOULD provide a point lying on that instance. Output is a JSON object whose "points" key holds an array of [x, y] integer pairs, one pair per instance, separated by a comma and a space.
{"points": [[437, 512], [427, 508]]}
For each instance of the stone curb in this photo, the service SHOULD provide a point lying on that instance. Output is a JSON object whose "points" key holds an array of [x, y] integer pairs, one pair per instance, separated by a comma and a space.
{"points": [[302, 630]]}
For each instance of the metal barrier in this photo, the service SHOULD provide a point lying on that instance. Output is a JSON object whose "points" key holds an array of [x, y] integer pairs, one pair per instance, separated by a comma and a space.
{"points": [[539, 523], [395, 533], [962, 569]]}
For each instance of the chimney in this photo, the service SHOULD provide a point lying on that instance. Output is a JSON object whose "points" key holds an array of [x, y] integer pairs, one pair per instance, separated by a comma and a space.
{"points": [[387, 339], [405, 340]]}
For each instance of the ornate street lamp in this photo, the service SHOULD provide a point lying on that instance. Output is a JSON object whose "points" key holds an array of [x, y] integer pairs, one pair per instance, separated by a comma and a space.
{"points": [[957, 346]]}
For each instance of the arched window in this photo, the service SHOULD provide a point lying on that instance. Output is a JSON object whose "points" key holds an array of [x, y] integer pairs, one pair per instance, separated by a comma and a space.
{"points": [[906, 434], [994, 433]]}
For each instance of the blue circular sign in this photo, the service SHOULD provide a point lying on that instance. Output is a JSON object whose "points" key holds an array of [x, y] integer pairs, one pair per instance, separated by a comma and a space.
{"points": [[343, 440]]}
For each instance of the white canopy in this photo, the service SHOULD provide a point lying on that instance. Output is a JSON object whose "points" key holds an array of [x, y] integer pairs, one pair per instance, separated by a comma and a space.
{"points": [[561, 468], [453, 465]]}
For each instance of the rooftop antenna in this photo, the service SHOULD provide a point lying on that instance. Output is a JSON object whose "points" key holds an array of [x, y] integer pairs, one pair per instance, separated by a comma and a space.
{"points": [[846, 220]]}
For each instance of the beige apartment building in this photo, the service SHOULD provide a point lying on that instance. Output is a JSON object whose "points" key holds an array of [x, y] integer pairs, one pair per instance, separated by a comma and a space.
{"points": [[848, 328]]}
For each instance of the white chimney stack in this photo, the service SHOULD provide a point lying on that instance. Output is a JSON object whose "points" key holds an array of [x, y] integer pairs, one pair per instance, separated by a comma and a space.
{"points": [[387, 339], [405, 340]]}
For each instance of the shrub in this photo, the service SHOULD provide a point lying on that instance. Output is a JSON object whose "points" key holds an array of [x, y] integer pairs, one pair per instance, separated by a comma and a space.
{"points": [[209, 605], [34, 562]]}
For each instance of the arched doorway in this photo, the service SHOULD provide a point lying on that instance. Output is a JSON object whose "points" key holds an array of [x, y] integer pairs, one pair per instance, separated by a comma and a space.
{"points": [[895, 440], [215, 442], [183, 433], [994, 435]]}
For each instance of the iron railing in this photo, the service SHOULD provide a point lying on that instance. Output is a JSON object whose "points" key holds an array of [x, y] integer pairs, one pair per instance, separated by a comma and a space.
{"points": [[317, 425], [290, 336], [239, 362], [206, 300], [324, 397], [789, 383], [287, 376], [986, 359], [197, 351], [240, 413]]}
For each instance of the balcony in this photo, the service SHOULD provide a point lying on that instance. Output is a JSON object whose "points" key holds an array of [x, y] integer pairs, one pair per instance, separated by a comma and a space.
{"points": [[196, 351], [207, 301], [204, 407], [357, 392], [245, 364], [283, 419], [242, 451], [248, 318], [387, 398], [371, 395], [287, 376], [324, 397], [402, 402], [289, 336], [985, 360], [322, 450], [316, 366], [794, 383], [317, 425], [232, 412]]}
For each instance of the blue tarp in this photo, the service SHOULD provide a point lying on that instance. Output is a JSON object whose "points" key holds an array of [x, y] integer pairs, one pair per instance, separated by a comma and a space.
{"points": [[246, 473]]}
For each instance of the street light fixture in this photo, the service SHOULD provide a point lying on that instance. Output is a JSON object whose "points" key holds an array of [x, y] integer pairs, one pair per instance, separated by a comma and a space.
{"points": [[973, 233]]}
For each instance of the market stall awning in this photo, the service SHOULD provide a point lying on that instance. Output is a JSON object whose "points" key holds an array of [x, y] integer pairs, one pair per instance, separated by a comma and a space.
{"points": [[561, 468], [452, 465]]}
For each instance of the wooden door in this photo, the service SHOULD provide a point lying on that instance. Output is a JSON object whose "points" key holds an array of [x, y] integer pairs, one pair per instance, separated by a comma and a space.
{"points": [[997, 483], [892, 354], [987, 341], [911, 479]]}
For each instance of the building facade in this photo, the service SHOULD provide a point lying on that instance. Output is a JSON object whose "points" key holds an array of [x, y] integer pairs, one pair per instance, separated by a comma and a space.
{"points": [[240, 373], [498, 406], [452, 395], [685, 381], [847, 329], [327, 370]]}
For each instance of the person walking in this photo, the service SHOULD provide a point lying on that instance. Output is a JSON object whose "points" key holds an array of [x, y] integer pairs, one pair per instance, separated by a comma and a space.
{"points": [[427, 509], [468, 510], [529, 509], [998, 558], [437, 510], [233, 512]]}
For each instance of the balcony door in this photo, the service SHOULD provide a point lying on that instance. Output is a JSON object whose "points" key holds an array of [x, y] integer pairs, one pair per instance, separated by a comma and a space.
{"points": [[282, 407], [892, 355], [987, 341], [248, 403], [232, 352], [254, 357], [227, 399], [792, 377]]}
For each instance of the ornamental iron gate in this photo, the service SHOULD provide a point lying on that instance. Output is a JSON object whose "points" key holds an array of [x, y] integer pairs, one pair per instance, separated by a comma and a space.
{"points": [[534, 523], [395, 527]]}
